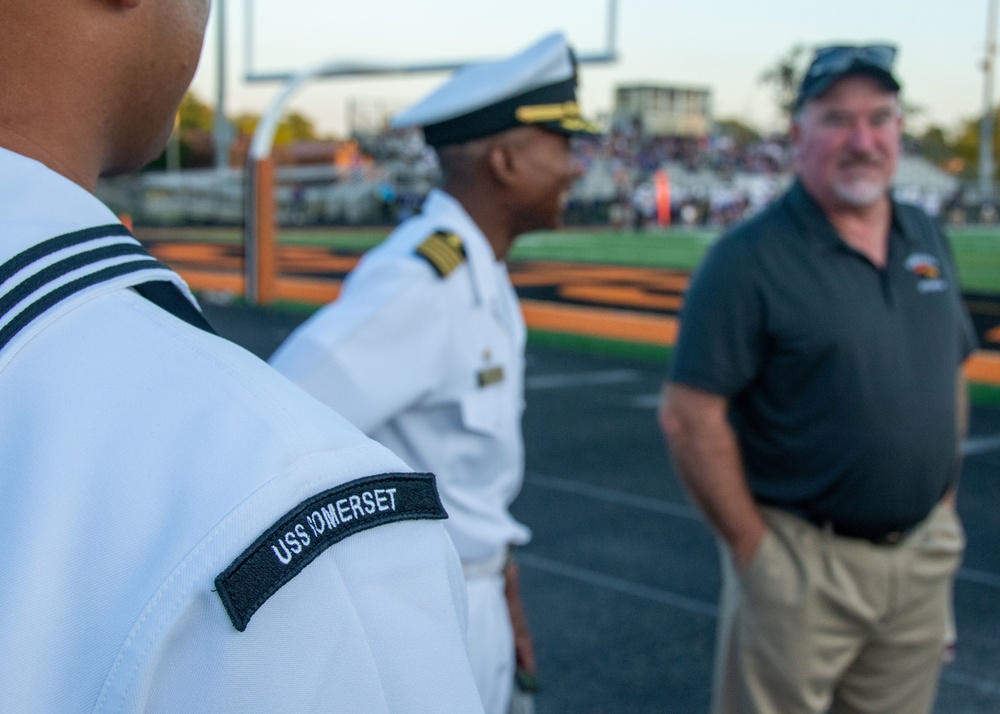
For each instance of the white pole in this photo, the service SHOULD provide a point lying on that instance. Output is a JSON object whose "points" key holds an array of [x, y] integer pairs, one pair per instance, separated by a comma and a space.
{"points": [[220, 127], [986, 124]]}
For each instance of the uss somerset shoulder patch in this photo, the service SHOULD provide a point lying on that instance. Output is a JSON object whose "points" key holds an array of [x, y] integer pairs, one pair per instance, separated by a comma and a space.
{"points": [[444, 251], [281, 552]]}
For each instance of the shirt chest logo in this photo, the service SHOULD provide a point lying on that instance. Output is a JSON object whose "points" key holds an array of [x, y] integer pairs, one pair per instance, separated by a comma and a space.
{"points": [[927, 269]]}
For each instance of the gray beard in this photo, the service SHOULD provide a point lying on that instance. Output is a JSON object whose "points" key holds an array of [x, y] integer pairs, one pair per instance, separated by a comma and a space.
{"points": [[860, 194]]}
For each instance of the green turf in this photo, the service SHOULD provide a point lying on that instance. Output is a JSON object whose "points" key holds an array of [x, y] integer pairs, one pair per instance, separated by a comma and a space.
{"points": [[600, 345], [977, 253], [984, 395], [678, 249], [977, 249], [357, 239]]}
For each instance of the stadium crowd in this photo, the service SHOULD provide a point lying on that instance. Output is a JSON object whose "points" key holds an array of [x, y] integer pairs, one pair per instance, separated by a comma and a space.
{"points": [[715, 181]]}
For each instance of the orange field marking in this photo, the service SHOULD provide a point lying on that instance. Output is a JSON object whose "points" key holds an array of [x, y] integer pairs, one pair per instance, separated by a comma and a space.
{"points": [[306, 260], [600, 322], [619, 286], [212, 280], [217, 256], [316, 291], [621, 296], [983, 368], [544, 273]]}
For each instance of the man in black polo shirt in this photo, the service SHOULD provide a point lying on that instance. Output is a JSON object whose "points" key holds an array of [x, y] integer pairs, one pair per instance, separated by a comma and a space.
{"points": [[814, 411]]}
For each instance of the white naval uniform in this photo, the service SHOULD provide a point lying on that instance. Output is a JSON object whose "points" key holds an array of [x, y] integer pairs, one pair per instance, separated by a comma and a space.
{"points": [[432, 366], [139, 457]]}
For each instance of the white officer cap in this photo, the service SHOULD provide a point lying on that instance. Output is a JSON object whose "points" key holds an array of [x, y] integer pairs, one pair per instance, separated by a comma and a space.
{"points": [[536, 87]]}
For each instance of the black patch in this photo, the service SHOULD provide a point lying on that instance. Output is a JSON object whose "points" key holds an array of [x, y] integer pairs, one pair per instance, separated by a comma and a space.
{"points": [[313, 526]]}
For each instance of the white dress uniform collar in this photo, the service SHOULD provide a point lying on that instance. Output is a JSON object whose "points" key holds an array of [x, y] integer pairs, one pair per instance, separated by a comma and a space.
{"points": [[51, 259], [23, 183]]}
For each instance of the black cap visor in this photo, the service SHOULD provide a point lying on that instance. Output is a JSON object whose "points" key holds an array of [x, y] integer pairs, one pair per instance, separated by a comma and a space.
{"points": [[812, 89], [552, 107]]}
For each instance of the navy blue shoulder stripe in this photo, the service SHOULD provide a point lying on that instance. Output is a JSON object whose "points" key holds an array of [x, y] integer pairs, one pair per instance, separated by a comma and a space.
{"points": [[24, 318], [63, 267], [53, 245], [86, 266]]}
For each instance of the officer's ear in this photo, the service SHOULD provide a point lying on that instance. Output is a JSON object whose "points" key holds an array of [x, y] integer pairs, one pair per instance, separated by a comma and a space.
{"points": [[501, 159]]}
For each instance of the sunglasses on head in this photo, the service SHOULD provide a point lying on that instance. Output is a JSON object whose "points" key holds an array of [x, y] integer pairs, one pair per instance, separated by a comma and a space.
{"points": [[831, 60]]}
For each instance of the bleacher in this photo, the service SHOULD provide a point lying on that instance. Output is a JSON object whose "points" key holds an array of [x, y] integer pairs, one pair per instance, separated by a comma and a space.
{"points": [[393, 187]]}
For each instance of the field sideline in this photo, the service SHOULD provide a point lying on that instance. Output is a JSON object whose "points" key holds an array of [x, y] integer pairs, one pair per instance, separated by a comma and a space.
{"points": [[601, 291], [977, 248]]}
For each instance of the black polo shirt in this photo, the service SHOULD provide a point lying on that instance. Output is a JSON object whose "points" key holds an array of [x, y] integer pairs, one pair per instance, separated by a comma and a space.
{"points": [[840, 375]]}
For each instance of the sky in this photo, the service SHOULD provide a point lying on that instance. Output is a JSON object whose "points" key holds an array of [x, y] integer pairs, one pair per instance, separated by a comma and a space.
{"points": [[721, 45]]}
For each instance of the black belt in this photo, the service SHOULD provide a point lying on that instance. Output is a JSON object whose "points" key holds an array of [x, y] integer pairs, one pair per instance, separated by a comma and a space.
{"points": [[879, 538], [889, 538]]}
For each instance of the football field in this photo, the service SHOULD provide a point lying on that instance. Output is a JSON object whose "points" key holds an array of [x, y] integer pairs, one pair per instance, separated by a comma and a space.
{"points": [[976, 248], [621, 577]]}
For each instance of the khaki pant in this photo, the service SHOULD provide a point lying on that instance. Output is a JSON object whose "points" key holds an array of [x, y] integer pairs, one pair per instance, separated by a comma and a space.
{"points": [[821, 623]]}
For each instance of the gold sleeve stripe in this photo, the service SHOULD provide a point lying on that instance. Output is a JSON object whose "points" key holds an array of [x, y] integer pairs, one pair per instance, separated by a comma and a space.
{"points": [[444, 251]]}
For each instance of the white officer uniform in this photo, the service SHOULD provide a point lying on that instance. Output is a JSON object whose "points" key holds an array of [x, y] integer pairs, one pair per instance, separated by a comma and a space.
{"points": [[432, 366], [183, 530], [424, 348]]}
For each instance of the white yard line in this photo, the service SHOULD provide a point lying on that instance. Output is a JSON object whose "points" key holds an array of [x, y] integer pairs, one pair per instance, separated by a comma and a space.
{"points": [[578, 379], [949, 674], [610, 495], [609, 582], [978, 445], [688, 513]]}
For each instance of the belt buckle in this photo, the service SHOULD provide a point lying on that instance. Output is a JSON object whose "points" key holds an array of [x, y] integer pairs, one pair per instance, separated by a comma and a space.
{"points": [[891, 538]]}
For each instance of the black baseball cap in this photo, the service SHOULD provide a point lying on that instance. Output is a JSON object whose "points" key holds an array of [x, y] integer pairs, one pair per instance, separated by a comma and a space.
{"points": [[833, 63]]}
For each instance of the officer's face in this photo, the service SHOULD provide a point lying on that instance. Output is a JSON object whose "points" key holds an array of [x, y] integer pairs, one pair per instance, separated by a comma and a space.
{"points": [[547, 170], [847, 143]]}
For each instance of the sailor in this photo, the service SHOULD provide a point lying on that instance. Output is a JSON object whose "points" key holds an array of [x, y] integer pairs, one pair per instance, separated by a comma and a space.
{"points": [[424, 348], [183, 530]]}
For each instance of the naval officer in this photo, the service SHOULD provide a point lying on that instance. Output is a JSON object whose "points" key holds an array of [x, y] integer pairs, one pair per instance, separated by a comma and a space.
{"points": [[183, 530], [424, 349]]}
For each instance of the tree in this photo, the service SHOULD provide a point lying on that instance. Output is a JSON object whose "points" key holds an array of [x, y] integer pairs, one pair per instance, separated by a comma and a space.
{"points": [[785, 76], [738, 131], [295, 127], [245, 123], [966, 143], [292, 128], [936, 146], [194, 114], [193, 135]]}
